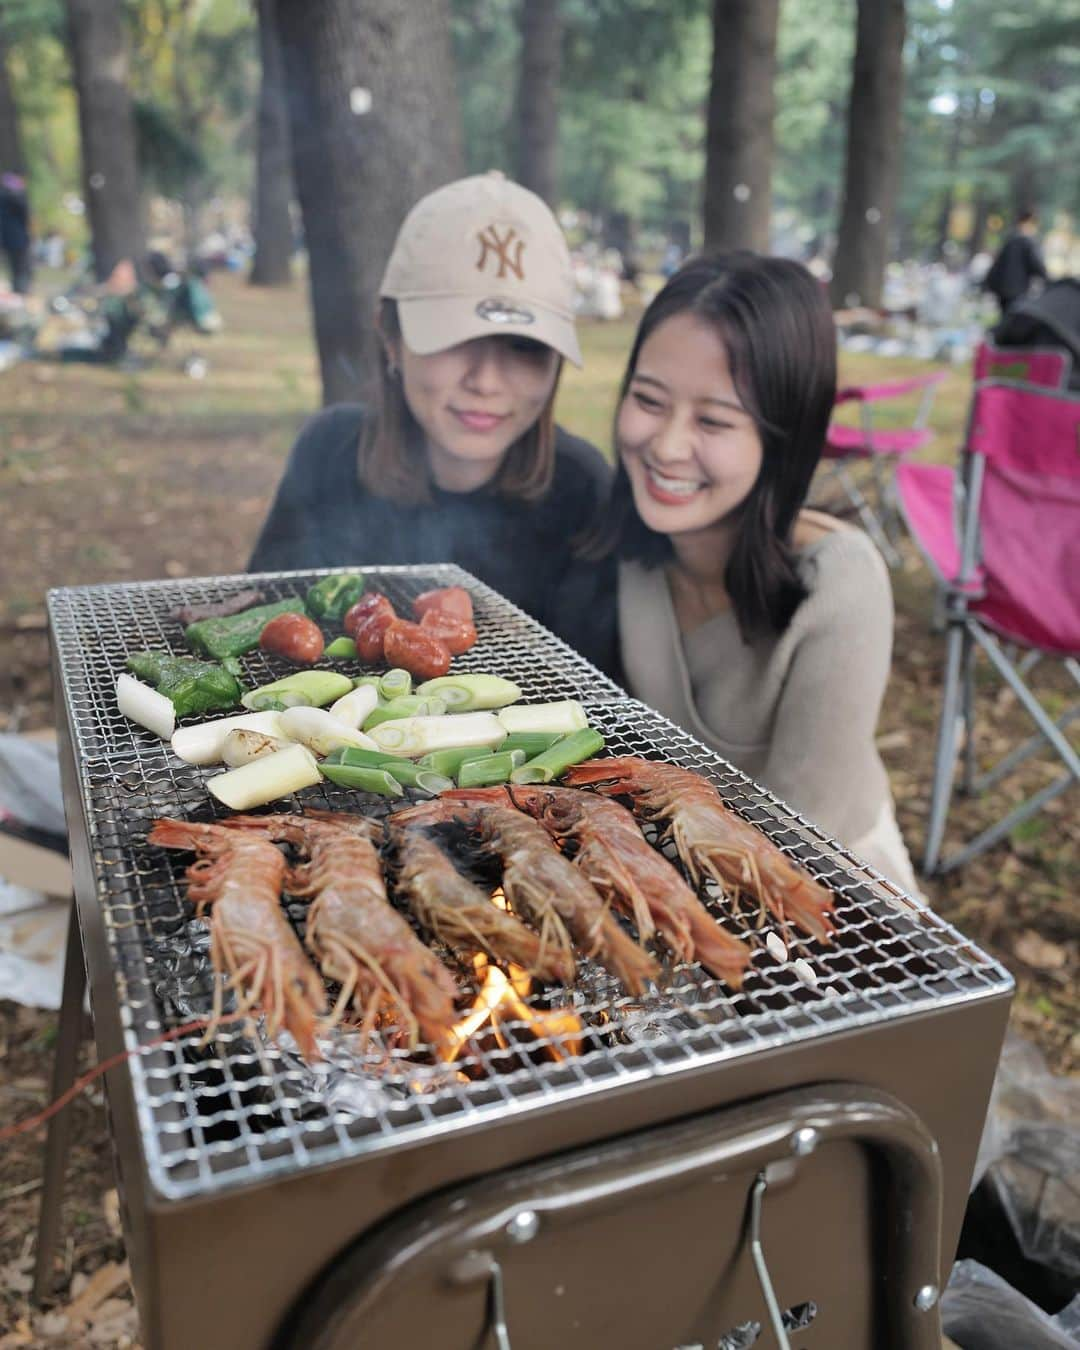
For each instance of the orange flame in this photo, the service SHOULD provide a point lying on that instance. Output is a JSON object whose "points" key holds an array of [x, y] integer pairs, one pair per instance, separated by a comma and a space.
{"points": [[503, 998]]}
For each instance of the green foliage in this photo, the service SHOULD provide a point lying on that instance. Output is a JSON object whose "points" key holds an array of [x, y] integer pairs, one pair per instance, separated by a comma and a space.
{"points": [[170, 158], [993, 108], [631, 99], [815, 46], [194, 69], [487, 50], [992, 105], [21, 20]]}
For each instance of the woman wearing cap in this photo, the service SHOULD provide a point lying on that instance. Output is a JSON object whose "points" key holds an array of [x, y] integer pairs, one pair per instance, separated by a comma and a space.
{"points": [[459, 460]]}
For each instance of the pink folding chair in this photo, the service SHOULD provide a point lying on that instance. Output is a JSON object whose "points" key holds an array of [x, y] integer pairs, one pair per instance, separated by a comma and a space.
{"points": [[1049, 367], [881, 446], [1003, 539]]}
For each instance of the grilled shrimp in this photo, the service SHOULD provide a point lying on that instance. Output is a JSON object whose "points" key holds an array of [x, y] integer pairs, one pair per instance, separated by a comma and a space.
{"points": [[626, 870], [540, 884], [458, 911], [711, 840], [353, 931], [240, 878]]}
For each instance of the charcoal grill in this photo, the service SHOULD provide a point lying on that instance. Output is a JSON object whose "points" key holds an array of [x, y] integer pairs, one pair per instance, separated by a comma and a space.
{"points": [[786, 1166]]}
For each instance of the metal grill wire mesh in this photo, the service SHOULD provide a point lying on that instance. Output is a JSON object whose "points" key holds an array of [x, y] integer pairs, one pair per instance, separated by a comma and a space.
{"points": [[242, 1107]]}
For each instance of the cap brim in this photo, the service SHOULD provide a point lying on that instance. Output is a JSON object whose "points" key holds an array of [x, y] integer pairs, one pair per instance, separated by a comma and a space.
{"points": [[432, 324]]}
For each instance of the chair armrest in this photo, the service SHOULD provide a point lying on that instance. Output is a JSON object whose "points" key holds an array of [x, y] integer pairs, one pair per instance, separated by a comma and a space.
{"points": [[873, 393]]}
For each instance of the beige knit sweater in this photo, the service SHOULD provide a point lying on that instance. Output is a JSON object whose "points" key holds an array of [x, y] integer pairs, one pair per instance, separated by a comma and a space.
{"points": [[798, 712]]}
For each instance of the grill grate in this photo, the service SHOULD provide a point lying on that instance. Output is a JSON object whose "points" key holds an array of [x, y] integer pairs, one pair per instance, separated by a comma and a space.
{"points": [[242, 1109]]}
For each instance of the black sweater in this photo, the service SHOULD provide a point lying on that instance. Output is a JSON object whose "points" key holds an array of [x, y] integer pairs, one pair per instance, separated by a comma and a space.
{"points": [[322, 516]]}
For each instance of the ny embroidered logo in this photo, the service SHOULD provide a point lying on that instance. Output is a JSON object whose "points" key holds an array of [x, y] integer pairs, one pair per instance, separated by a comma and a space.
{"points": [[506, 249]]}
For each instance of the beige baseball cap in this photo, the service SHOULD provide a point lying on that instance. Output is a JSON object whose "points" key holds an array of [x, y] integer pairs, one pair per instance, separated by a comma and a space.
{"points": [[481, 257]]}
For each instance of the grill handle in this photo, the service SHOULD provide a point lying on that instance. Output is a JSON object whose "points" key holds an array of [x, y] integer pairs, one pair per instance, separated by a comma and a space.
{"points": [[772, 1132]]}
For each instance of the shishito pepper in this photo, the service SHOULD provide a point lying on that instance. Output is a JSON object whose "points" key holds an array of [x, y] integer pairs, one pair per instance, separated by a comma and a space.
{"points": [[239, 633], [192, 686], [332, 597]]}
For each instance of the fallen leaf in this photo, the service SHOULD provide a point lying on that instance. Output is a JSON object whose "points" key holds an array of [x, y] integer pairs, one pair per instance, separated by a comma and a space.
{"points": [[894, 740], [104, 1281], [15, 1280], [52, 1324], [110, 1204], [1039, 952]]}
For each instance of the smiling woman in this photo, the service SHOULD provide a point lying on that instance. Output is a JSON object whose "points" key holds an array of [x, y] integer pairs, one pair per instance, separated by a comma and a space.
{"points": [[459, 458], [762, 628]]}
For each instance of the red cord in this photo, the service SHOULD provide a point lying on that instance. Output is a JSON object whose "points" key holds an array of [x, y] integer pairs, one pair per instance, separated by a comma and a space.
{"points": [[81, 1084]]}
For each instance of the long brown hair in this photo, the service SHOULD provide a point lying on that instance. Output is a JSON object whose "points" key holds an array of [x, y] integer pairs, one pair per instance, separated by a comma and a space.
{"points": [[392, 462], [775, 322]]}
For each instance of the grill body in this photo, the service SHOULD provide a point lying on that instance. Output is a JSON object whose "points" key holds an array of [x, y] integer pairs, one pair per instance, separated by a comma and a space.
{"points": [[259, 1215]]}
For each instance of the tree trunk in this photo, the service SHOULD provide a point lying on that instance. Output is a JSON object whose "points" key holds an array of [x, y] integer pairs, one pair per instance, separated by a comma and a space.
{"points": [[99, 62], [538, 97], [952, 160], [739, 127], [12, 159], [375, 123], [980, 212], [872, 168], [273, 173]]}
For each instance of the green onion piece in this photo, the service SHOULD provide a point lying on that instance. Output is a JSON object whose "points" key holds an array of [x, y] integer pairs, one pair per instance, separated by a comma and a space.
{"points": [[263, 700], [486, 772], [366, 679], [564, 716], [449, 762], [408, 773], [553, 763], [302, 689], [357, 757], [432, 783], [341, 649], [532, 742], [408, 705], [467, 693], [363, 778], [395, 683]]}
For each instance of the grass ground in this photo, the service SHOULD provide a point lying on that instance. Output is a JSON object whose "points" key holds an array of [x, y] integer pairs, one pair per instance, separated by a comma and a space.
{"points": [[107, 475]]}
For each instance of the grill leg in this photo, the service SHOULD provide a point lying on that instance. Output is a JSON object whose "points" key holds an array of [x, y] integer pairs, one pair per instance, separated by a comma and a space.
{"points": [[58, 1138]]}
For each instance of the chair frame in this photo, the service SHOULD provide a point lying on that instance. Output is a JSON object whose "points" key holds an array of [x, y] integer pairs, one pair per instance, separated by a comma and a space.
{"points": [[965, 634], [878, 526]]}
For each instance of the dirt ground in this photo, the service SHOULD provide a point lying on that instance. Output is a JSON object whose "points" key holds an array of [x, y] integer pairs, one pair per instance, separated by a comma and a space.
{"points": [[108, 475]]}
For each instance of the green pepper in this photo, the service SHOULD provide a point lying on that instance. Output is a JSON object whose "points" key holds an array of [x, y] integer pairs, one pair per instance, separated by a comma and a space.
{"points": [[341, 649], [239, 633], [191, 686], [333, 597]]}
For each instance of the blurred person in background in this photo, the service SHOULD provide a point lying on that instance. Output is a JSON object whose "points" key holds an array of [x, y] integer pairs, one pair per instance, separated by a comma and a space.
{"points": [[761, 627], [15, 230], [458, 459], [1017, 265]]}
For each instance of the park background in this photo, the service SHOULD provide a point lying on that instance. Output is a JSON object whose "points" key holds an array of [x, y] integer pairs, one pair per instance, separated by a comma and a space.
{"points": [[278, 144]]}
